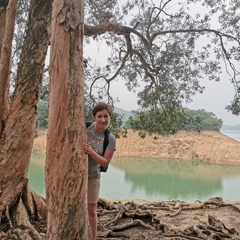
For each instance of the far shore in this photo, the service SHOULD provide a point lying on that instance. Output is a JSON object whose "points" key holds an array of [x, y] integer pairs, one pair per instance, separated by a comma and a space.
{"points": [[206, 146]]}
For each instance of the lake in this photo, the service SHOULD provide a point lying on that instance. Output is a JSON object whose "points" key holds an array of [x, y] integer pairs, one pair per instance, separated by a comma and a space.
{"points": [[157, 179]]}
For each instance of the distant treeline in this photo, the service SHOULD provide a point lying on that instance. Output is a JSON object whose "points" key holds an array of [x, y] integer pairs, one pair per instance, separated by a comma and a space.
{"points": [[206, 120], [231, 128]]}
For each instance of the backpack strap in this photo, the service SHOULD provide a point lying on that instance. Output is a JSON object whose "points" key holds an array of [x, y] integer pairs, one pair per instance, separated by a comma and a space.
{"points": [[106, 140], [105, 143], [88, 124]]}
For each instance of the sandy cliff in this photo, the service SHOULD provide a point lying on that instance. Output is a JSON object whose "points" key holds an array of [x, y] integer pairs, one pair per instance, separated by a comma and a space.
{"points": [[206, 146]]}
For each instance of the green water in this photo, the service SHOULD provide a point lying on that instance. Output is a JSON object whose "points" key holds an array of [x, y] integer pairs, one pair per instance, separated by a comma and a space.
{"points": [[36, 173], [156, 179]]}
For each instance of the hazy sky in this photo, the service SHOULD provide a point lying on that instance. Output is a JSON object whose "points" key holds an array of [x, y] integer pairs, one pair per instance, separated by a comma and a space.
{"points": [[214, 99]]}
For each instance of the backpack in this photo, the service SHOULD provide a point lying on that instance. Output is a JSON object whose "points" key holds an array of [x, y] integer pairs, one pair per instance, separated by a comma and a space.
{"points": [[105, 143]]}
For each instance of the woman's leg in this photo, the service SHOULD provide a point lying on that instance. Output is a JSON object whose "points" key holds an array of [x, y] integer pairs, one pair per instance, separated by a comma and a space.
{"points": [[92, 214], [93, 193]]}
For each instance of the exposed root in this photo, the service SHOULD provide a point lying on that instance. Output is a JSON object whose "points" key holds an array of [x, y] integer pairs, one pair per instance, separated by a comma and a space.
{"points": [[153, 221], [20, 220], [35, 204], [170, 220]]}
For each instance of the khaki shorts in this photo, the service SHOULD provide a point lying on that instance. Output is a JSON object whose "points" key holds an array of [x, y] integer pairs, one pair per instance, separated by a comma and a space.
{"points": [[93, 190]]}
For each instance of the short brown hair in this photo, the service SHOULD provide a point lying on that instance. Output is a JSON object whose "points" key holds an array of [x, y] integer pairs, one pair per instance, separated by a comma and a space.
{"points": [[101, 106]]}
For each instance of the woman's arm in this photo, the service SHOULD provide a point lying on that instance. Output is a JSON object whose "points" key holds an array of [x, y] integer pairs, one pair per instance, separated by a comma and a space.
{"points": [[101, 160]]}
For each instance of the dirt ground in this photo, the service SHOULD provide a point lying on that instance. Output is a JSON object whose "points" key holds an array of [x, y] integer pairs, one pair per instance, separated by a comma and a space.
{"points": [[213, 219]]}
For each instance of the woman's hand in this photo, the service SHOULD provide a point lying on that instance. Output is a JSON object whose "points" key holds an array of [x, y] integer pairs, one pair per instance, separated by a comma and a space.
{"points": [[101, 160], [87, 148]]}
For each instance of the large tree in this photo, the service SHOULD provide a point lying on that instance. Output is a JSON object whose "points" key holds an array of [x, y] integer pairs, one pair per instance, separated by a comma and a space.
{"points": [[18, 202], [160, 45], [66, 163]]}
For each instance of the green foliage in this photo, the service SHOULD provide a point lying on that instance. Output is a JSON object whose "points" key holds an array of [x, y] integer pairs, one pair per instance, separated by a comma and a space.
{"points": [[160, 122], [43, 114], [202, 120], [157, 122], [235, 105]]}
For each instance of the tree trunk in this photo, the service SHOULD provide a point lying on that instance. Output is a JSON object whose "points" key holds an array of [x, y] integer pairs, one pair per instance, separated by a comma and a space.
{"points": [[18, 134], [4, 109], [66, 164]]}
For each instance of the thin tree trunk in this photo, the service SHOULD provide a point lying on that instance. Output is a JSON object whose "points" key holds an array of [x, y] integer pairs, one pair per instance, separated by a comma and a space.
{"points": [[5, 107], [66, 164], [3, 8], [6, 56]]}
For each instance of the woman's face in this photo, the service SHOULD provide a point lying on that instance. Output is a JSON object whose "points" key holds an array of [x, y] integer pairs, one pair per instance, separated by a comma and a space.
{"points": [[102, 118]]}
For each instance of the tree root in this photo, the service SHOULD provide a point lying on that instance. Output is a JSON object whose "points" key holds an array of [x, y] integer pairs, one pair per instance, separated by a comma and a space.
{"points": [[19, 220], [131, 224], [113, 229], [117, 218], [35, 204]]}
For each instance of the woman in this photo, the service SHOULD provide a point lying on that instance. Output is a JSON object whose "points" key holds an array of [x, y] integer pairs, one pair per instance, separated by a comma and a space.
{"points": [[94, 148]]}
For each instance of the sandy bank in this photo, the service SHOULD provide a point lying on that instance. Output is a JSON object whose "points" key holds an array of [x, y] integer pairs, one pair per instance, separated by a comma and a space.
{"points": [[206, 146]]}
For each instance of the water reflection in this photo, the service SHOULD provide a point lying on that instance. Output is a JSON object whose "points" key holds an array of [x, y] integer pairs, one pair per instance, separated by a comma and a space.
{"points": [[177, 179], [173, 186], [156, 179], [183, 169]]}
